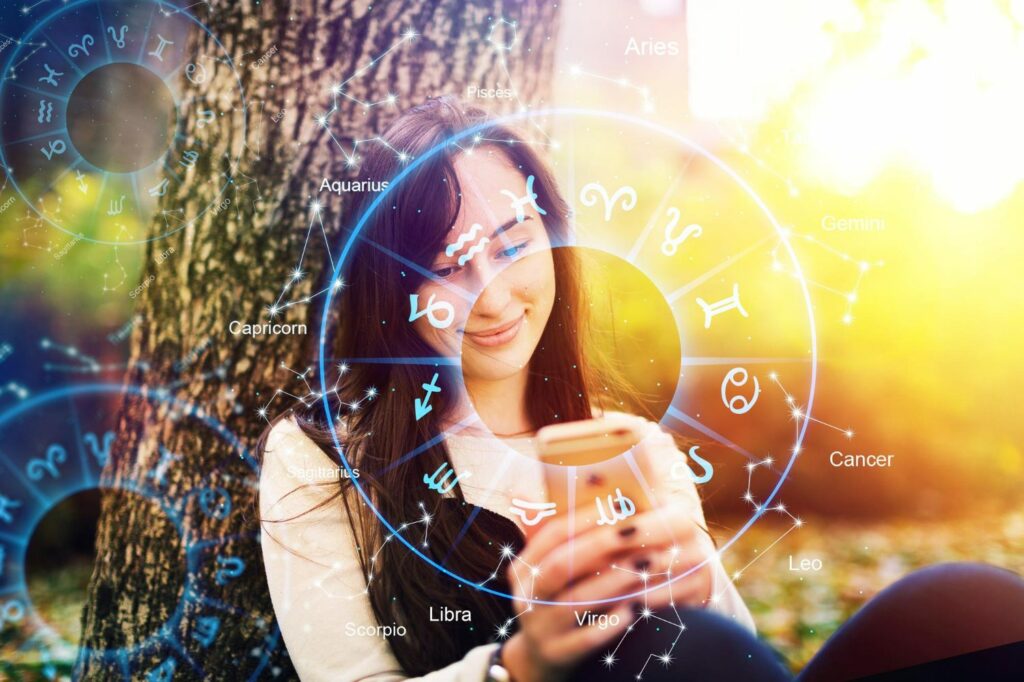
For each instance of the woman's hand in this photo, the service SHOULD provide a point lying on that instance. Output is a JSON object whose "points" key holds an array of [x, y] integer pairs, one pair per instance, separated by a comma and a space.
{"points": [[604, 562]]}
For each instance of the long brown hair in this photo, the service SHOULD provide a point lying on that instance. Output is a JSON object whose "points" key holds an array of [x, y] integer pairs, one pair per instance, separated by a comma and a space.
{"points": [[410, 227]]}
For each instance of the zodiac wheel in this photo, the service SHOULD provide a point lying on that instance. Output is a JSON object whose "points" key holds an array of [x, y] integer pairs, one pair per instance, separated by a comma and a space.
{"points": [[55, 446], [90, 106], [659, 202]]}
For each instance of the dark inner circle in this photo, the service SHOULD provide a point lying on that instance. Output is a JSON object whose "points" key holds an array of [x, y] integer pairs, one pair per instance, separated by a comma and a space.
{"points": [[120, 117]]}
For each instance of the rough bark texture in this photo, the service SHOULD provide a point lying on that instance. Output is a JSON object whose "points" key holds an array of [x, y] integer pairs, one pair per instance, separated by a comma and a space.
{"points": [[230, 265]]}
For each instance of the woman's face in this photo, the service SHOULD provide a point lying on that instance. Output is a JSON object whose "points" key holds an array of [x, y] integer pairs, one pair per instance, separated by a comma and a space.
{"points": [[501, 295]]}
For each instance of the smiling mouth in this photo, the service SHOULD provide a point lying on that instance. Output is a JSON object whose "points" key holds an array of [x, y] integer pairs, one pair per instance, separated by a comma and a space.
{"points": [[497, 336]]}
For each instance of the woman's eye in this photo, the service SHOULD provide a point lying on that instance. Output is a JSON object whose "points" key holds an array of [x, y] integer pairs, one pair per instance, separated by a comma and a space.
{"points": [[444, 273], [512, 251]]}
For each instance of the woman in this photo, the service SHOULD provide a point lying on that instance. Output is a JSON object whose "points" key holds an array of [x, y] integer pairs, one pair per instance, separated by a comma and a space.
{"points": [[450, 267]]}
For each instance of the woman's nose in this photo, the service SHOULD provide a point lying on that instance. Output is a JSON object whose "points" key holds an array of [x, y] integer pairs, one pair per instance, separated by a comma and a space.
{"points": [[495, 293]]}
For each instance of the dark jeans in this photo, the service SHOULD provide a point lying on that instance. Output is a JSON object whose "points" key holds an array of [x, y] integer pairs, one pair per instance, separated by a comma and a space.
{"points": [[940, 612]]}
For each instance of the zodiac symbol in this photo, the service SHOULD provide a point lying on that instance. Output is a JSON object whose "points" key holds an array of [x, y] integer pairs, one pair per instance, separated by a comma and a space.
{"points": [[45, 111], [465, 237], [678, 468], [590, 192], [205, 117], [445, 484], [82, 186], [232, 568], [56, 147], [55, 454], [190, 71], [206, 630], [712, 309], [626, 509], [430, 311], [12, 612], [423, 405], [159, 190], [7, 503], [163, 672], [116, 206], [671, 245], [118, 36], [167, 458], [215, 503], [522, 508], [159, 51], [50, 75], [519, 203], [82, 47], [739, 404], [102, 455], [189, 159]]}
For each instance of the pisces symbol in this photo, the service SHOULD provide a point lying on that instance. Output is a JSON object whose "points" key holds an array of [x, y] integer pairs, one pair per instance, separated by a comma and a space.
{"points": [[671, 245], [593, 190], [118, 36], [626, 509], [45, 111], [441, 481]]}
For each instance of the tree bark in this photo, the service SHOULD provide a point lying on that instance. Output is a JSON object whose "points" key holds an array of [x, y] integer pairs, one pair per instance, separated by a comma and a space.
{"points": [[231, 264]]}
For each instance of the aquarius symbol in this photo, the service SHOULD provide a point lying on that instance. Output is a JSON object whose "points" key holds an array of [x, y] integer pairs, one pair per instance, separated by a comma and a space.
{"points": [[190, 73], [159, 190], [519, 203], [205, 117], [671, 245], [82, 47], [522, 508], [678, 467], [626, 509], [163, 672], [45, 111], [116, 206], [465, 237], [232, 568], [118, 36], [6, 504], [102, 455], [12, 612], [206, 630], [55, 454], [423, 406], [445, 484], [159, 51], [82, 186], [739, 404], [55, 148], [189, 159], [712, 309], [430, 311], [215, 503], [50, 76], [590, 192]]}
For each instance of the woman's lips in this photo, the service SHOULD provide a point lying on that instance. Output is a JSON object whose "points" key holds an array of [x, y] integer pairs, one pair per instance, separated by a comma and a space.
{"points": [[497, 336]]}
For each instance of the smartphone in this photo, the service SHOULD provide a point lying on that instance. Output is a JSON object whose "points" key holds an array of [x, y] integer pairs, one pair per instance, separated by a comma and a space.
{"points": [[592, 471]]}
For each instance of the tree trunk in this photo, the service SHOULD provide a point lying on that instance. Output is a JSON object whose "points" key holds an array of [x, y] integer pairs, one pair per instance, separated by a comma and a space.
{"points": [[231, 264]]}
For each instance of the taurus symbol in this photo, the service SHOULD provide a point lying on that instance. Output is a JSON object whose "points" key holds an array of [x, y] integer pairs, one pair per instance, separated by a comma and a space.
{"points": [[590, 192], [102, 455], [118, 36], [232, 568], [55, 148], [81, 47], [55, 454], [671, 245]]}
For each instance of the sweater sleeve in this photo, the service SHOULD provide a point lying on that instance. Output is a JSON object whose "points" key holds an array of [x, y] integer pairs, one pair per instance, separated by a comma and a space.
{"points": [[314, 574], [665, 461]]}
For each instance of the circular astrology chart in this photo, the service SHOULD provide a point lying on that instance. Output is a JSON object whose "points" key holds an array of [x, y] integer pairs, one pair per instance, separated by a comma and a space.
{"points": [[55, 446], [93, 130], [657, 201]]}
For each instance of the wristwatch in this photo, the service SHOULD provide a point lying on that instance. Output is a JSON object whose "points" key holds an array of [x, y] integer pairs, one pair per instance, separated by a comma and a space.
{"points": [[496, 672]]}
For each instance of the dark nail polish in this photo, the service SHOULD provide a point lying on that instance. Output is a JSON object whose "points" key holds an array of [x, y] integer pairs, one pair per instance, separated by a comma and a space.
{"points": [[642, 564], [627, 531]]}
